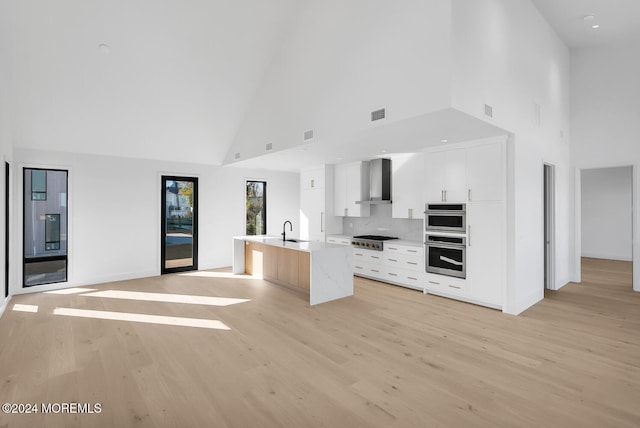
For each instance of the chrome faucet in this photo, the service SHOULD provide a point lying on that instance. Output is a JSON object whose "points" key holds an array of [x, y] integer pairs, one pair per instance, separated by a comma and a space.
{"points": [[284, 233]]}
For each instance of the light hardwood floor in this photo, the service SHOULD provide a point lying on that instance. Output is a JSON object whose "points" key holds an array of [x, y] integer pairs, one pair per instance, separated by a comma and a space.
{"points": [[386, 357]]}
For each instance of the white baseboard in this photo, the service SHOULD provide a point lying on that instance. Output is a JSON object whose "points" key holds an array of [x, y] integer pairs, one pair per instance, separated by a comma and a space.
{"points": [[624, 258]]}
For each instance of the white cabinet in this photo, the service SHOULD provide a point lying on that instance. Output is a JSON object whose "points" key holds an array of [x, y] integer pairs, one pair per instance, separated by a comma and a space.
{"points": [[313, 178], [445, 173], [339, 240], [351, 184], [397, 264], [485, 252], [406, 183], [316, 204], [485, 172]]}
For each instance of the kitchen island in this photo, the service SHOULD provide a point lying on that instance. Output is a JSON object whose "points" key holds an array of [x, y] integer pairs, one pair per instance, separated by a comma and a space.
{"points": [[321, 270]]}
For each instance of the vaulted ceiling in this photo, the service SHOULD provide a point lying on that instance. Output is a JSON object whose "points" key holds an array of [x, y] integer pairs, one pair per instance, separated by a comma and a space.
{"points": [[159, 79]]}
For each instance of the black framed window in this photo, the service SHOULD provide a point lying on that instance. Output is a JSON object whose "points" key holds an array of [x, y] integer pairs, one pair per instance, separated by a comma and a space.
{"points": [[256, 208]]}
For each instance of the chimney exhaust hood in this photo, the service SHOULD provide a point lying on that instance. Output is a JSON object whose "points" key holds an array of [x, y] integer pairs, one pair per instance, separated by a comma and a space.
{"points": [[379, 182]]}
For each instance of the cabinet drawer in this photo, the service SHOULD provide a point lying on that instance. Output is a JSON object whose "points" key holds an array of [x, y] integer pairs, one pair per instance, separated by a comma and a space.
{"points": [[442, 284], [400, 261], [405, 277], [404, 249], [369, 269], [339, 241], [368, 256]]}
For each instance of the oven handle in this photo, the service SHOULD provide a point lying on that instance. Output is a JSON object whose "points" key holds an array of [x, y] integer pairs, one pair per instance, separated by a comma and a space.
{"points": [[445, 245]]}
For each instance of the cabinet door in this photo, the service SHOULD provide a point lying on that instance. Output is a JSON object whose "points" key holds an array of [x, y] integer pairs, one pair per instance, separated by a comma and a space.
{"points": [[356, 181], [485, 172], [485, 252], [316, 214], [312, 178], [406, 183], [455, 175], [340, 191], [434, 176]]}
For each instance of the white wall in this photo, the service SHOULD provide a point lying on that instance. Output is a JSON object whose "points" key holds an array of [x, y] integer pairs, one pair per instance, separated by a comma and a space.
{"points": [[343, 59], [5, 140], [114, 212], [506, 55], [606, 213], [604, 119]]}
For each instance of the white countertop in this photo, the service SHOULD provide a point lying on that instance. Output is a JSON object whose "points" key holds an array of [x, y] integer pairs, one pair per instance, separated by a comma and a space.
{"points": [[275, 241]]}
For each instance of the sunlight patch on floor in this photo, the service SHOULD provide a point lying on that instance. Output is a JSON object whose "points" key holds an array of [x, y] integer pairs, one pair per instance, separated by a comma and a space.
{"points": [[25, 308], [143, 318], [165, 297]]}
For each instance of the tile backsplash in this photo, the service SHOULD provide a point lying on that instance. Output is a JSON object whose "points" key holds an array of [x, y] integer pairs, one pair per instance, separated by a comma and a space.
{"points": [[381, 223]]}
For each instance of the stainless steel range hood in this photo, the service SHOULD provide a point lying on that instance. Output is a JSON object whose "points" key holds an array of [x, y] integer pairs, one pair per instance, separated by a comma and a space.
{"points": [[379, 182]]}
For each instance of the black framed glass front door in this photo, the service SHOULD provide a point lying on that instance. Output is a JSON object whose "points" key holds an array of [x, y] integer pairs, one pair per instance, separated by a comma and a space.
{"points": [[45, 226], [179, 233]]}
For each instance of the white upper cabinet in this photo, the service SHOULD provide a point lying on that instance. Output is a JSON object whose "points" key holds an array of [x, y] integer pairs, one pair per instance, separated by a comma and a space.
{"points": [[351, 184], [473, 173], [445, 173], [406, 184], [485, 172]]}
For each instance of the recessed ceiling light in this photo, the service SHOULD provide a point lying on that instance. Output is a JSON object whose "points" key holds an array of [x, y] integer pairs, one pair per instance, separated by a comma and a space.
{"points": [[444, 140], [383, 151], [595, 26], [589, 18]]}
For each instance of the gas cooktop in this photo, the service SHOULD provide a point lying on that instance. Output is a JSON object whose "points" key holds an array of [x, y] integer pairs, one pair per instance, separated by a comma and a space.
{"points": [[375, 237], [370, 242]]}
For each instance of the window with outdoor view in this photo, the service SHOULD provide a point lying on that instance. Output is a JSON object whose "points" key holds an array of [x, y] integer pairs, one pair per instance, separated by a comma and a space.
{"points": [[256, 208]]}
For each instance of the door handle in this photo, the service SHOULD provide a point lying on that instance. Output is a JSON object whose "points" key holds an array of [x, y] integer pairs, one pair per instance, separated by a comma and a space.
{"points": [[321, 221], [469, 234], [469, 195]]}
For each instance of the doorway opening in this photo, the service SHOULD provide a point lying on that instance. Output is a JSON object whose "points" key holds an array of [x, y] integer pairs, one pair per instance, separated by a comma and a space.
{"points": [[549, 226], [607, 216], [179, 225]]}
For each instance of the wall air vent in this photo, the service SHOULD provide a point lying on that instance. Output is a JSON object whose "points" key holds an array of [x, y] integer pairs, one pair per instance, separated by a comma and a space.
{"points": [[308, 135], [378, 114], [488, 110], [269, 147], [237, 155]]}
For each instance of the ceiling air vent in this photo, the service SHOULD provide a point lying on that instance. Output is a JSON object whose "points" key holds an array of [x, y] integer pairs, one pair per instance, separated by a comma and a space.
{"points": [[237, 155], [308, 135], [269, 147], [488, 110], [378, 114]]}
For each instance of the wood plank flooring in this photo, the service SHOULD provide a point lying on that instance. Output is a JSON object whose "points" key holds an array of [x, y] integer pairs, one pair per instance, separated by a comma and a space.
{"points": [[386, 357]]}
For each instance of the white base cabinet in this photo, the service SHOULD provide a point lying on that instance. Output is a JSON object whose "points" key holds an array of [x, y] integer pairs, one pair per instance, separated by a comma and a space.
{"points": [[397, 264]]}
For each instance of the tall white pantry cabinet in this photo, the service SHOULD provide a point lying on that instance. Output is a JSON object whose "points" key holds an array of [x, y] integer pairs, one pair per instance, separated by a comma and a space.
{"points": [[316, 204], [473, 173]]}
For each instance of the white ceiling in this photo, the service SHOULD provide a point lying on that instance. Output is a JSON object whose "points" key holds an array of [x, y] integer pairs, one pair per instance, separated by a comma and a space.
{"points": [[173, 84], [619, 21]]}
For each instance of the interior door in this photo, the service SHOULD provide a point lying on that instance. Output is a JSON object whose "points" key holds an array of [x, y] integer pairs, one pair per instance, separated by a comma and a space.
{"points": [[179, 231]]}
